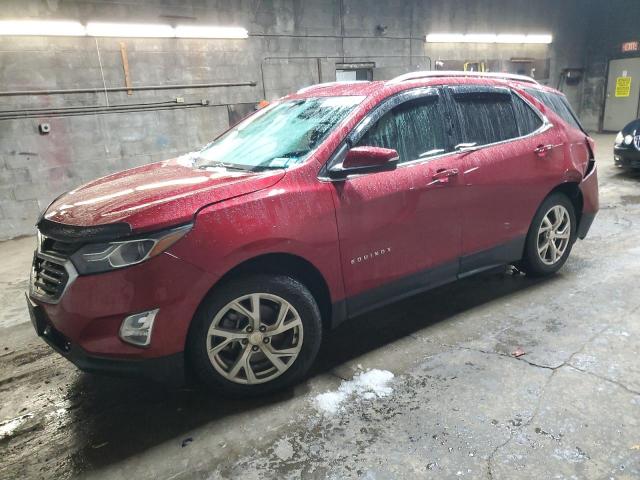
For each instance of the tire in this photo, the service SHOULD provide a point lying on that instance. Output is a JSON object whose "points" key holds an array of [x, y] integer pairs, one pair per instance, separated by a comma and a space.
{"points": [[230, 311], [539, 263]]}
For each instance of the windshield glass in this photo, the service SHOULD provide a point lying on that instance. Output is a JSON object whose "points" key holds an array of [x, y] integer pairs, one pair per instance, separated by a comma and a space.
{"points": [[280, 135]]}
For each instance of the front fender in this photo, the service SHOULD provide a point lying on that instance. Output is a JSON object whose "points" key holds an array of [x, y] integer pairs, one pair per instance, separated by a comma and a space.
{"points": [[294, 217]]}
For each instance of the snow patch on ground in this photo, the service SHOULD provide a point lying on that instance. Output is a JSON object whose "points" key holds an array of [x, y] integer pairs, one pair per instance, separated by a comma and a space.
{"points": [[283, 449], [11, 427], [367, 385]]}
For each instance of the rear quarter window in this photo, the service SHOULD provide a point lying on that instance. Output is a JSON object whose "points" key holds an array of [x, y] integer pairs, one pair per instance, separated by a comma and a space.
{"points": [[528, 120], [559, 104]]}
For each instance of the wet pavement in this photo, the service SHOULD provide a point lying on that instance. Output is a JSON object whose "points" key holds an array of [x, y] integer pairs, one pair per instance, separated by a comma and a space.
{"points": [[462, 404]]}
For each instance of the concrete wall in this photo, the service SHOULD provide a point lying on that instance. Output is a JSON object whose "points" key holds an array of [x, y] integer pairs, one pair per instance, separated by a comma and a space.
{"points": [[292, 43]]}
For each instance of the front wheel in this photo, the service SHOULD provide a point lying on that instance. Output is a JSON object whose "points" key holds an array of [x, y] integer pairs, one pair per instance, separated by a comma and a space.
{"points": [[255, 335], [550, 237]]}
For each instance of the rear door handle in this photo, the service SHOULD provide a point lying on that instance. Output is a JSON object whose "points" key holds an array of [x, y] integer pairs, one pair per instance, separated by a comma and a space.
{"points": [[444, 174], [542, 150]]}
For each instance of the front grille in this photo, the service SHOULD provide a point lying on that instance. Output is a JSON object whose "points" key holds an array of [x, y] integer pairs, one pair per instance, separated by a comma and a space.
{"points": [[49, 278], [52, 270]]}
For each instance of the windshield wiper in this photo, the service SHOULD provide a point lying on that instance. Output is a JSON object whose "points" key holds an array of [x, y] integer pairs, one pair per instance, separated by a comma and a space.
{"points": [[294, 154], [228, 166]]}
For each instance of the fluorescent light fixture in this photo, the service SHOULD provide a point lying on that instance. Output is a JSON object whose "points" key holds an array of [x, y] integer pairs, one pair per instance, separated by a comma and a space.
{"points": [[546, 39], [100, 29], [203, 31], [480, 38], [510, 38], [42, 27], [445, 38], [96, 29], [488, 38]]}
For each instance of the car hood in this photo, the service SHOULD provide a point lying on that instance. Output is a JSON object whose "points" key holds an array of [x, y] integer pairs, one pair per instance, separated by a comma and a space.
{"points": [[156, 195], [632, 128]]}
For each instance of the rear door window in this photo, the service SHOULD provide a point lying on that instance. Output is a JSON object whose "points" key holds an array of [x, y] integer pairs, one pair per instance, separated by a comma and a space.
{"points": [[485, 114], [559, 104], [414, 128]]}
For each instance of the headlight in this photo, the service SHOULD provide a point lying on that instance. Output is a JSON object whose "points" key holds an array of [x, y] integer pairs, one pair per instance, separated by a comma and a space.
{"points": [[619, 139], [102, 257]]}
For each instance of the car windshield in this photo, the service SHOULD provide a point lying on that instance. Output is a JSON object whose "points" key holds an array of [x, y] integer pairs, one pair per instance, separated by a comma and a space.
{"points": [[280, 135]]}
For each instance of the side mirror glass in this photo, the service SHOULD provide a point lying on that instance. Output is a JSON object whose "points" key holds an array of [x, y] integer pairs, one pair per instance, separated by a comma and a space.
{"points": [[366, 159]]}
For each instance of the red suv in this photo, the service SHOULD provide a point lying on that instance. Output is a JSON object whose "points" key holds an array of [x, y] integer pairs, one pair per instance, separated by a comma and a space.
{"points": [[230, 262]]}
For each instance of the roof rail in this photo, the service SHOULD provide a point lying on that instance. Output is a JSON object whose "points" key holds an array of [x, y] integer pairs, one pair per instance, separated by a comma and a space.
{"points": [[330, 84], [446, 73]]}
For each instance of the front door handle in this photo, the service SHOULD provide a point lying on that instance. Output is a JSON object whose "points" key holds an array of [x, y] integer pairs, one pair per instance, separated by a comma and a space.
{"points": [[444, 174], [542, 150]]}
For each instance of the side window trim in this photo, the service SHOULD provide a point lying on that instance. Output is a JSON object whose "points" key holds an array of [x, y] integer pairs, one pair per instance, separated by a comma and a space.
{"points": [[450, 119], [462, 90]]}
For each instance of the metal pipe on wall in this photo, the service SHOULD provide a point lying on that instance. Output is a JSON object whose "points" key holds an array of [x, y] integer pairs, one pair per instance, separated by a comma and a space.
{"points": [[124, 89], [83, 107], [74, 111], [103, 112]]}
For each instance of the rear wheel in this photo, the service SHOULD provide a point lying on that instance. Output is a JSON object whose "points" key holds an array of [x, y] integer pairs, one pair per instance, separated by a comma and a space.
{"points": [[255, 335], [551, 236]]}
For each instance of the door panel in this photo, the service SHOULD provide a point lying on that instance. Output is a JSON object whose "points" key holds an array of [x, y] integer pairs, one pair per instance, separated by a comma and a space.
{"points": [[395, 224], [504, 185], [516, 162], [623, 108]]}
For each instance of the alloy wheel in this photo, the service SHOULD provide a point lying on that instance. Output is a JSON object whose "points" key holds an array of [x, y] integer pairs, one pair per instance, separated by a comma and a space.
{"points": [[554, 235], [255, 338]]}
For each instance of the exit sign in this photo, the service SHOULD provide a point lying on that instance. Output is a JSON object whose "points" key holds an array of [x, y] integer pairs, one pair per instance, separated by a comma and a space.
{"points": [[631, 46]]}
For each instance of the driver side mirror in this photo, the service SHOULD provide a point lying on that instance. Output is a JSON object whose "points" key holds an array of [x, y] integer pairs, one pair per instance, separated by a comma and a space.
{"points": [[365, 159]]}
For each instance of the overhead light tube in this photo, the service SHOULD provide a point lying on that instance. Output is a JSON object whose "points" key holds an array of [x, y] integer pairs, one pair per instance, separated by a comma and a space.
{"points": [[99, 29], [546, 39], [480, 38], [42, 27], [489, 38], [445, 38], [112, 29], [510, 38]]}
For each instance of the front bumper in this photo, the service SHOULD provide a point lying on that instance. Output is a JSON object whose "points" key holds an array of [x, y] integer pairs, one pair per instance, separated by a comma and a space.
{"points": [[626, 157], [84, 324], [169, 369]]}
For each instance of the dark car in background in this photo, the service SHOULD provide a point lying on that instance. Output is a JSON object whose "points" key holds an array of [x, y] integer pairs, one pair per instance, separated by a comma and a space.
{"points": [[626, 148]]}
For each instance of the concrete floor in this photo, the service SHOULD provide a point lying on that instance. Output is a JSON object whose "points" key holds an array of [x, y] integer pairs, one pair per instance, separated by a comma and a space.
{"points": [[461, 406]]}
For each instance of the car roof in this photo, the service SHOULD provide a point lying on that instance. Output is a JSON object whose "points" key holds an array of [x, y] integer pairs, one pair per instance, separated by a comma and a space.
{"points": [[417, 79]]}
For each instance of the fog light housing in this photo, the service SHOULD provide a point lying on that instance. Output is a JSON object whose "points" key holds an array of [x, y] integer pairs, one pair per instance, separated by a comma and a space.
{"points": [[136, 329]]}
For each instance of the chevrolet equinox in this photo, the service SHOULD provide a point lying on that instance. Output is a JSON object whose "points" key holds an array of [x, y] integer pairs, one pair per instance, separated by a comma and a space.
{"points": [[230, 262]]}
